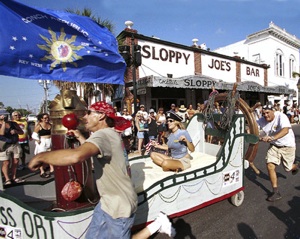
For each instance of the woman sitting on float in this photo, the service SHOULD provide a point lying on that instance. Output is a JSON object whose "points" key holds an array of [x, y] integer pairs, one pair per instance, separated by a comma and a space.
{"points": [[179, 142]]}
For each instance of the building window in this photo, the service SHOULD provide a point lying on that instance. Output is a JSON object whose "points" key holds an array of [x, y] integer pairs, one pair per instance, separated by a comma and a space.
{"points": [[292, 66], [279, 65], [256, 58]]}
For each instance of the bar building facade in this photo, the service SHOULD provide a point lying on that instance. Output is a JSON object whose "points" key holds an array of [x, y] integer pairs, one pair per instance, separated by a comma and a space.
{"points": [[262, 65]]}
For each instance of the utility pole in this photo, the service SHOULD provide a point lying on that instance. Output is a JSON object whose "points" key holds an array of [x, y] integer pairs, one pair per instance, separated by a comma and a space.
{"points": [[46, 85]]}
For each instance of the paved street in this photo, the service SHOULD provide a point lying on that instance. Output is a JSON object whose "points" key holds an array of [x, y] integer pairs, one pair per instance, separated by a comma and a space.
{"points": [[255, 218]]}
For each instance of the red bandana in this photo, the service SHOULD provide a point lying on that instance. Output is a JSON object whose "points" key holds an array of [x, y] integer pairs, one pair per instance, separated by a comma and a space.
{"points": [[103, 107]]}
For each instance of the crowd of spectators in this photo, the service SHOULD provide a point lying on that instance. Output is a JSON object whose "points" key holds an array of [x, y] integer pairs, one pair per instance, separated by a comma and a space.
{"points": [[151, 125]]}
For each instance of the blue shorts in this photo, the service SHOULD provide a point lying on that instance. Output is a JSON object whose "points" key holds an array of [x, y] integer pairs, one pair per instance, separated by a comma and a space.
{"points": [[104, 226], [140, 135]]}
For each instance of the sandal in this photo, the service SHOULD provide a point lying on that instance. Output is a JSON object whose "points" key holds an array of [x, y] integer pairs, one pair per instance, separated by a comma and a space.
{"points": [[7, 182], [44, 175], [18, 180]]}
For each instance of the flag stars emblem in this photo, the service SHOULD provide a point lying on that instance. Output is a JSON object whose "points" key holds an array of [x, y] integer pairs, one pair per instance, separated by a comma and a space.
{"points": [[57, 47]]}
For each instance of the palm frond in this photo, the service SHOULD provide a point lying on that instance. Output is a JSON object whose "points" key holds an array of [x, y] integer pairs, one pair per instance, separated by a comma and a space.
{"points": [[89, 88]]}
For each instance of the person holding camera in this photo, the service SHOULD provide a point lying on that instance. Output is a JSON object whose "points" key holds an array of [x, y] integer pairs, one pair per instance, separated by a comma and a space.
{"points": [[9, 137]]}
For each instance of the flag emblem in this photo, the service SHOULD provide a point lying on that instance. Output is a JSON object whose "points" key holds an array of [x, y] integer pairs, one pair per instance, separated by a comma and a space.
{"points": [[60, 50]]}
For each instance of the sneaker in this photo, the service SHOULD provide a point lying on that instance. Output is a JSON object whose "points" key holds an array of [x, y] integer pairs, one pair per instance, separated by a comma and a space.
{"points": [[166, 226], [295, 171], [274, 197]]}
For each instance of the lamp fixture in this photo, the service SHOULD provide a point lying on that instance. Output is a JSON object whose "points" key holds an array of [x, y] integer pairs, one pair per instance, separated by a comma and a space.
{"points": [[195, 41], [129, 24]]}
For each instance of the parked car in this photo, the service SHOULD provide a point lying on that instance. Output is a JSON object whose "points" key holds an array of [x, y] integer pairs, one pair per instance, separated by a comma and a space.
{"points": [[31, 118]]}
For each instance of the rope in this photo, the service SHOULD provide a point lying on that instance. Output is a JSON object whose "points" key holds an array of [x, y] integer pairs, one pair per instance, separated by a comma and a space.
{"points": [[230, 109], [229, 104]]}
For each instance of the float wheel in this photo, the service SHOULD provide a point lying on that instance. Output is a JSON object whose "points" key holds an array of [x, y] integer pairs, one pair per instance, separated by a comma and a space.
{"points": [[238, 199]]}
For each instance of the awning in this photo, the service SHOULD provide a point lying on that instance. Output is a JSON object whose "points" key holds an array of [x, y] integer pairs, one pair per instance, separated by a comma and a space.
{"points": [[205, 82]]}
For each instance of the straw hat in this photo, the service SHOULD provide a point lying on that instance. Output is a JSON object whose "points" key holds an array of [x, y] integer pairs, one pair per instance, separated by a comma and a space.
{"points": [[182, 108]]}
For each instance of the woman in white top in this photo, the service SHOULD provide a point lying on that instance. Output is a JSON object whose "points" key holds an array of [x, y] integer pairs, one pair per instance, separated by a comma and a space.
{"points": [[161, 125]]}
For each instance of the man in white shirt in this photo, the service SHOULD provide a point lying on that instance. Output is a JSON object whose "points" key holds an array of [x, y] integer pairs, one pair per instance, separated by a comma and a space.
{"points": [[277, 130], [143, 112]]}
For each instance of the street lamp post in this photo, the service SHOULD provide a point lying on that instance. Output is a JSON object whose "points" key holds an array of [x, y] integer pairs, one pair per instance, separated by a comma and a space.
{"points": [[136, 62], [133, 59], [133, 77]]}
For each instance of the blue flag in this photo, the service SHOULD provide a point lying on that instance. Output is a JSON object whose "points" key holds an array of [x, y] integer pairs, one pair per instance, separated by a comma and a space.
{"points": [[38, 43]]}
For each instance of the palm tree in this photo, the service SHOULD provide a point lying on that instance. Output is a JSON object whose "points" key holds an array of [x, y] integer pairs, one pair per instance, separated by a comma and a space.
{"points": [[296, 74], [89, 89]]}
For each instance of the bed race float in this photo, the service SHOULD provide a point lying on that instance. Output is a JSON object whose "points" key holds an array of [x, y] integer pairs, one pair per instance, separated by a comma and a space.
{"points": [[216, 173]]}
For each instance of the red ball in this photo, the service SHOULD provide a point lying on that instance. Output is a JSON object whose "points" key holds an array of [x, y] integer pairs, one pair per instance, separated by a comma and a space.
{"points": [[70, 121]]}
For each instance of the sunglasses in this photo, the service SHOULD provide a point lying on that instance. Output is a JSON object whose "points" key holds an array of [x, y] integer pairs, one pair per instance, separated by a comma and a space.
{"points": [[170, 121], [93, 111], [16, 115], [267, 107]]}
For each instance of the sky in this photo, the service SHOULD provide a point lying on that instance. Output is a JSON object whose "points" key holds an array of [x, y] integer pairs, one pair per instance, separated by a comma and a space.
{"points": [[216, 23]]}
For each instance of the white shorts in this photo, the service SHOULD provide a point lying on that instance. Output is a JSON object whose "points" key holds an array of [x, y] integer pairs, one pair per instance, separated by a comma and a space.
{"points": [[186, 161], [43, 146]]}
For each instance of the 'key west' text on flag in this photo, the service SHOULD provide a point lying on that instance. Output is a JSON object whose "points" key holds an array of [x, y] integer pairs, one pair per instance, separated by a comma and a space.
{"points": [[38, 43]]}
